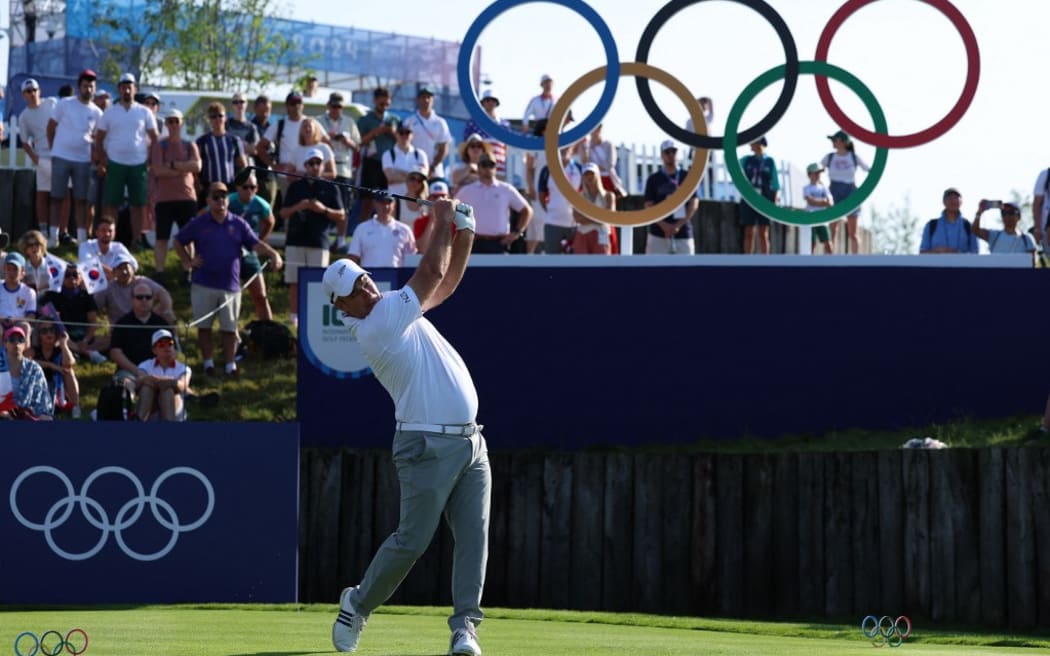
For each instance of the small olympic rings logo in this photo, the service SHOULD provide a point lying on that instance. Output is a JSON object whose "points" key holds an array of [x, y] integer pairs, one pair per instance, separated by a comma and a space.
{"points": [[789, 72], [885, 630], [96, 515], [41, 644]]}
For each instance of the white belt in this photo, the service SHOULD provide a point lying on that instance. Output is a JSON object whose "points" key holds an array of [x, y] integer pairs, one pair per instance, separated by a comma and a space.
{"points": [[463, 430]]}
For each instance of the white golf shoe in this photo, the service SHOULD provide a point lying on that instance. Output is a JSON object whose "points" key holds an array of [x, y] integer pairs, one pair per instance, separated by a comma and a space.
{"points": [[464, 643], [346, 631]]}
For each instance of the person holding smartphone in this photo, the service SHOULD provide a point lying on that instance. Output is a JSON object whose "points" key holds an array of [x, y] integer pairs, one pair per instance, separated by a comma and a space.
{"points": [[1008, 240]]}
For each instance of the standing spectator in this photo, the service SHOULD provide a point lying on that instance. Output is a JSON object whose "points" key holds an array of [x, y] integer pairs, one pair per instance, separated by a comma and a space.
{"points": [[592, 237], [37, 274], [218, 237], [310, 207], [103, 100], [17, 299], [245, 202], [104, 248], [238, 125], [842, 168], [761, 171], [673, 234], [162, 381], [57, 362], [130, 339], [423, 228], [539, 107], [1008, 240], [409, 211], [432, 133], [149, 230], [378, 132], [490, 101], [311, 136], [79, 314], [261, 121], [32, 129], [124, 136], [222, 155], [28, 383], [342, 135], [116, 299], [492, 201], [707, 186], [817, 198], [175, 163], [1040, 211], [310, 86], [471, 149], [598, 150], [382, 241], [951, 232], [70, 134], [283, 136], [559, 225], [403, 159]]}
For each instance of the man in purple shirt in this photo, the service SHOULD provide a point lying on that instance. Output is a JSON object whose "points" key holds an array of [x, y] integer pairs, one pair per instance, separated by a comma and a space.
{"points": [[218, 236]]}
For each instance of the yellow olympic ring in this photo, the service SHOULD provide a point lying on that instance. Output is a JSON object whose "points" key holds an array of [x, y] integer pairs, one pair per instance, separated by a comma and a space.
{"points": [[637, 217]]}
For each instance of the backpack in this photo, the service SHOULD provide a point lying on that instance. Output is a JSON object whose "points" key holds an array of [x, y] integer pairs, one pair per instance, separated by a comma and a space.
{"points": [[827, 159], [270, 339], [114, 402], [277, 142], [966, 228]]}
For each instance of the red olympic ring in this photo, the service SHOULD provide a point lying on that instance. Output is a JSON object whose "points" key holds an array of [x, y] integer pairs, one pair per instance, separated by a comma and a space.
{"points": [[973, 71]]}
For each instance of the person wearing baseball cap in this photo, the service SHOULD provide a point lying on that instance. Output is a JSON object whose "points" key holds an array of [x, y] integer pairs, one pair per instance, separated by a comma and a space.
{"points": [[951, 232], [72, 124], [436, 404], [842, 165], [29, 385], [761, 170], [310, 207], [342, 135], [817, 198], [1009, 240], [673, 234], [432, 134], [162, 381], [540, 106], [238, 125], [17, 300], [32, 128], [593, 237]]}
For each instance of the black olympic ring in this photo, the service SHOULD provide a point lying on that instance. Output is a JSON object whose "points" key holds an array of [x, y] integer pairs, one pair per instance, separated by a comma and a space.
{"points": [[63, 643], [787, 93]]}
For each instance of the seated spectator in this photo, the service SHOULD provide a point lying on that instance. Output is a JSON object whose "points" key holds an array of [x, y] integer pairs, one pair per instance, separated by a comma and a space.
{"points": [[115, 300], [77, 310], [382, 241], [103, 247], [28, 384], [37, 274], [951, 232], [130, 341], [17, 299], [56, 360], [163, 381], [1009, 240]]}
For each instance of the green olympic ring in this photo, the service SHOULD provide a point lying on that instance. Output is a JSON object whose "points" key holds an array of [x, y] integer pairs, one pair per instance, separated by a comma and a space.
{"points": [[790, 215]]}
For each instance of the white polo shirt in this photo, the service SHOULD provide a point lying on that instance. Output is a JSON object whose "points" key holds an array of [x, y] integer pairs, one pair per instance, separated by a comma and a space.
{"points": [[424, 375], [382, 244], [17, 304], [427, 133], [127, 130], [90, 249], [154, 368], [559, 210], [75, 129], [492, 204]]}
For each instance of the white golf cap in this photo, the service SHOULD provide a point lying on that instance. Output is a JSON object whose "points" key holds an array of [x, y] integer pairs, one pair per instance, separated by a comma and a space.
{"points": [[173, 113], [313, 153], [591, 167], [127, 78], [489, 94], [30, 84], [545, 78], [159, 335], [668, 145], [126, 258], [438, 187], [339, 278]]}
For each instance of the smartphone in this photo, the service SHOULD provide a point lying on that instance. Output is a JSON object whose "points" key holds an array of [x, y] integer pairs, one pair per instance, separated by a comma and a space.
{"points": [[993, 204]]}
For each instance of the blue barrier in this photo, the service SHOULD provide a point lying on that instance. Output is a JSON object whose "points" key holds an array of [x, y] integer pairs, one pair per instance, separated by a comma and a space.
{"points": [[129, 513], [584, 355]]}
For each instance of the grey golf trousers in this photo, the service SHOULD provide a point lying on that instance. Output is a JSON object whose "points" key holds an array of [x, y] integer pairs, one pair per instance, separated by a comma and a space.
{"points": [[438, 474]]}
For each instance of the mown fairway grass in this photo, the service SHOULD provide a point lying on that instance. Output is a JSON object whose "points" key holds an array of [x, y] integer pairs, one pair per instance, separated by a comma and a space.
{"points": [[240, 630]]}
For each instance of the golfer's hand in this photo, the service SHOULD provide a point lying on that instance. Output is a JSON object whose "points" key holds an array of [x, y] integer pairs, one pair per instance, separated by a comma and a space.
{"points": [[444, 210]]}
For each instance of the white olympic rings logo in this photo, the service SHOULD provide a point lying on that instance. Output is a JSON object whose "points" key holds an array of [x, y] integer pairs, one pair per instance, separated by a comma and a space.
{"points": [[97, 517]]}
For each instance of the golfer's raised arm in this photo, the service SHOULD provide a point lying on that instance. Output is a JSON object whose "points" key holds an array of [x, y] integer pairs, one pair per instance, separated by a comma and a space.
{"points": [[462, 244], [434, 263]]}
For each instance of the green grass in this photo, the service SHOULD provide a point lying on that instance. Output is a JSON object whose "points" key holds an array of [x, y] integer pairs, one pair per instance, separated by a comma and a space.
{"points": [[243, 630]]}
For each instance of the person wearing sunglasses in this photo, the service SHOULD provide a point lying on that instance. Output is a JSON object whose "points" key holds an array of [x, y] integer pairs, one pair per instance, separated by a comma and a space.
{"points": [[56, 359], [37, 274], [246, 202], [222, 154], [130, 335], [176, 161], [163, 381], [218, 236], [32, 128], [28, 383], [492, 201]]}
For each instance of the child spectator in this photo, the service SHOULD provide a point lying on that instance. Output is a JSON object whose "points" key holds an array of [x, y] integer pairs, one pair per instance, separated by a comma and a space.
{"points": [[817, 198]]}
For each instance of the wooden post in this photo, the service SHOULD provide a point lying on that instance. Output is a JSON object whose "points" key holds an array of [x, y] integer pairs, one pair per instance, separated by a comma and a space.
{"points": [[730, 534], [992, 533], [618, 552], [588, 512], [704, 565], [556, 539], [1020, 542], [916, 478]]}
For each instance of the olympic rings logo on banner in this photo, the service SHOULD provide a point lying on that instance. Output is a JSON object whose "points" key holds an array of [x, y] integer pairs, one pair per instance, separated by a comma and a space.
{"points": [[39, 644], [789, 71], [886, 630], [96, 515]]}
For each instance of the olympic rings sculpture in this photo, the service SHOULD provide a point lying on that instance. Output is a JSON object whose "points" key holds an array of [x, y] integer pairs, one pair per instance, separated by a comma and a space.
{"points": [[40, 646], [885, 630], [789, 72], [128, 514]]}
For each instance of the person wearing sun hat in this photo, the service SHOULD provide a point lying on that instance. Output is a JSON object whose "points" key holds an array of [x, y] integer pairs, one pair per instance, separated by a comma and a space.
{"points": [[489, 102], [471, 150]]}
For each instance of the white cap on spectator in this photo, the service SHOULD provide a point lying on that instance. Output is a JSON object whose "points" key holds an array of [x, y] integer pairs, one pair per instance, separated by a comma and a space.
{"points": [[438, 187], [30, 84], [489, 94], [313, 153], [161, 334], [125, 258], [592, 168], [127, 78], [173, 113], [545, 78], [668, 144]]}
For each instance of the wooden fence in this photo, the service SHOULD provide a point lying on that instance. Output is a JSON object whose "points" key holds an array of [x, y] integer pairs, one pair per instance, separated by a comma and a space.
{"points": [[953, 535]]}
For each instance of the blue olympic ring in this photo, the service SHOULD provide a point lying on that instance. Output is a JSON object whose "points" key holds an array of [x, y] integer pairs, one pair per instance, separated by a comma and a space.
{"points": [[528, 142], [63, 643]]}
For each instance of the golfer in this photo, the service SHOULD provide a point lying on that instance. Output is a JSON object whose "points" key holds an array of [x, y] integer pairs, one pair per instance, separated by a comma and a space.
{"points": [[441, 459]]}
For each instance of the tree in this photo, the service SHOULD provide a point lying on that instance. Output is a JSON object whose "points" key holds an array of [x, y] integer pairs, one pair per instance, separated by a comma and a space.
{"points": [[896, 231], [194, 44]]}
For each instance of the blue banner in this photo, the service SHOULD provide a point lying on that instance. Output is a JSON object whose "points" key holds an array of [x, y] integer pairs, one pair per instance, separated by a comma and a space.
{"points": [[115, 513]]}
